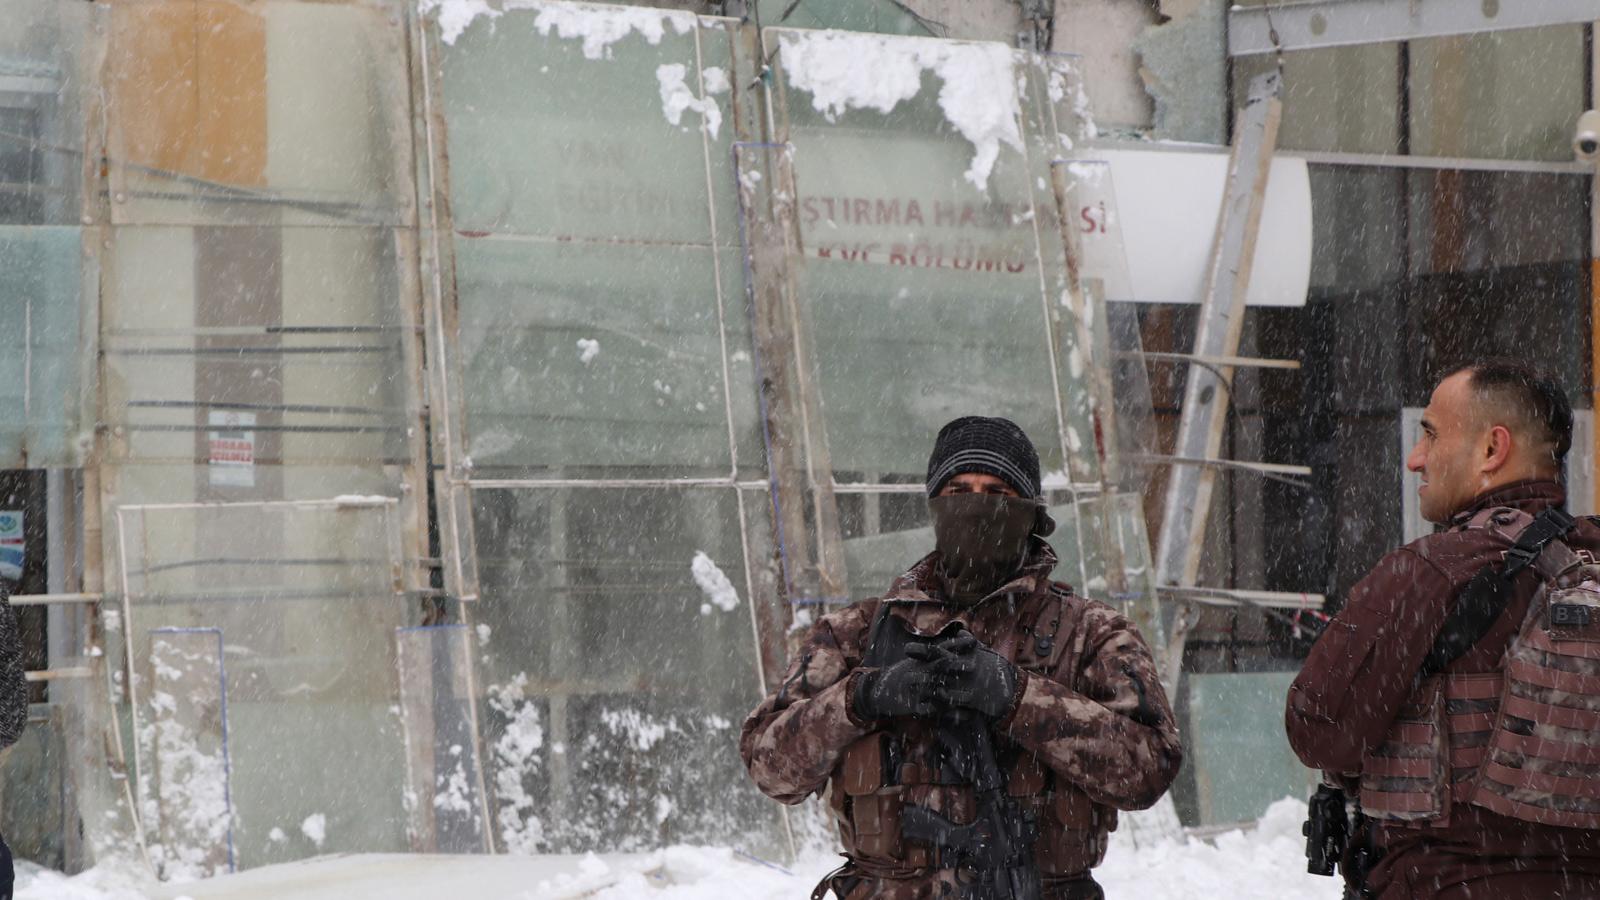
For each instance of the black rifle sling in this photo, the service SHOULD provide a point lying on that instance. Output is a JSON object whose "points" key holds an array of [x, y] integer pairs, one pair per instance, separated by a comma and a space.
{"points": [[1485, 597]]}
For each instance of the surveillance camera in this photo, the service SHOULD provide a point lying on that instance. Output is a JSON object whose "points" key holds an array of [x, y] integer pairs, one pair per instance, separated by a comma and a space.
{"points": [[1586, 137]]}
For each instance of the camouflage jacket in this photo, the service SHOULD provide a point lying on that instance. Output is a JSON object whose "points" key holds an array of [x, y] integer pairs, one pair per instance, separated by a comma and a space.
{"points": [[1090, 710]]}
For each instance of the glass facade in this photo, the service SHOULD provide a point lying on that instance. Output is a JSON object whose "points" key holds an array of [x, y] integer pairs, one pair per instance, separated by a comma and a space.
{"points": [[455, 416], [462, 452]]}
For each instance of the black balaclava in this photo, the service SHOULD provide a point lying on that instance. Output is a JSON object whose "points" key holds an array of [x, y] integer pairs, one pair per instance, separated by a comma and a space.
{"points": [[983, 538]]}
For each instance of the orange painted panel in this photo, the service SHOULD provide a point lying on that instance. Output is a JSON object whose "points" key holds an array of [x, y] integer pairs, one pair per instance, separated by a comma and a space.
{"points": [[188, 88]]}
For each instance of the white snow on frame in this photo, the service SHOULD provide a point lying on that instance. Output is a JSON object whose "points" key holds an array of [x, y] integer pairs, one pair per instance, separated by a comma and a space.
{"points": [[850, 70], [597, 26]]}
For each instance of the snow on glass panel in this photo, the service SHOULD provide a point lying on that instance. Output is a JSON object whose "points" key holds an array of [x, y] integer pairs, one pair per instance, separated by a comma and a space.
{"points": [[932, 283], [617, 664], [266, 722], [597, 275]]}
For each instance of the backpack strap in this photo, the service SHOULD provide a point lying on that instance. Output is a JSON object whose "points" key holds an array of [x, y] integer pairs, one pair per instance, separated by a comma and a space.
{"points": [[1484, 598], [1549, 525]]}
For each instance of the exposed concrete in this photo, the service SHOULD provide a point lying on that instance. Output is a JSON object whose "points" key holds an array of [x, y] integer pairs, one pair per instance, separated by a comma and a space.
{"points": [[1103, 33], [1184, 67]]}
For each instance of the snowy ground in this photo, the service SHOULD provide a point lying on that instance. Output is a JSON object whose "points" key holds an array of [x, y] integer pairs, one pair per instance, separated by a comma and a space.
{"points": [[1263, 864]]}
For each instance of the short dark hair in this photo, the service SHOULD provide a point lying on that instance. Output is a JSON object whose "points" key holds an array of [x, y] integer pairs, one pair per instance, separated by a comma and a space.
{"points": [[1530, 397]]}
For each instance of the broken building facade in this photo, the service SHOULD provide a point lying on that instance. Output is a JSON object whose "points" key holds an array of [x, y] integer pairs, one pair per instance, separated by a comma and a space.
{"points": [[427, 425]]}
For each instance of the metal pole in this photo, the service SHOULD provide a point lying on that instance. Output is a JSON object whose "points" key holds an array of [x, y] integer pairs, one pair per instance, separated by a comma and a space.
{"points": [[1221, 320]]}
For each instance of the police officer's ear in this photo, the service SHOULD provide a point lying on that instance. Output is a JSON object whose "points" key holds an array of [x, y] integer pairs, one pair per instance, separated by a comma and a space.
{"points": [[1499, 446]]}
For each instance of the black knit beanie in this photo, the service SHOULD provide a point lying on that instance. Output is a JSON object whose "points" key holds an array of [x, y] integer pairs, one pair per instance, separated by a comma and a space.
{"points": [[997, 447]]}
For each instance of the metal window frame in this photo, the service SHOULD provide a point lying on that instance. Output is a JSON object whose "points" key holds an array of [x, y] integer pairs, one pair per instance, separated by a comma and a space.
{"points": [[1312, 24]]}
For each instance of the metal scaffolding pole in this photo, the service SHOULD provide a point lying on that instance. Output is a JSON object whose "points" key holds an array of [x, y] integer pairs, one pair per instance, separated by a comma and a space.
{"points": [[1221, 320]]}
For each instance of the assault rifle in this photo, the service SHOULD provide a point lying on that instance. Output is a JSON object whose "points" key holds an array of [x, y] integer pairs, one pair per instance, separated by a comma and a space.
{"points": [[995, 852], [996, 849]]}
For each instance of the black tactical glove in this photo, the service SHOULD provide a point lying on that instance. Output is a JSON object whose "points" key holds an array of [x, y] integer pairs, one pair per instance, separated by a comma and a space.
{"points": [[971, 675], [905, 688]]}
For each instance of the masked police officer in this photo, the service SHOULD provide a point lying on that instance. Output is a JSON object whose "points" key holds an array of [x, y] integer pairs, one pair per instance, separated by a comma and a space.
{"points": [[893, 705]]}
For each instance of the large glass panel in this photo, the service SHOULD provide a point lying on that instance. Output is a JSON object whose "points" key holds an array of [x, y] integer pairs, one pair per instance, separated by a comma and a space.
{"points": [[603, 331], [618, 665], [1344, 99], [583, 360], [1503, 94], [247, 359], [290, 739], [42, 86], [273, 112], [926, 294], [43, 354], [1498, 264]]}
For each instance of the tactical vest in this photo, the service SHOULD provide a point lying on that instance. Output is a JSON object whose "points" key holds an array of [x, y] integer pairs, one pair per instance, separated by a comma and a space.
{"points": [[883, 772], [1524, 741]]}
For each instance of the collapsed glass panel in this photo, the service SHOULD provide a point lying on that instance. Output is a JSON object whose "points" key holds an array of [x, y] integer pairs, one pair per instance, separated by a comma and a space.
{"points": [[185, 792], [42, 351], [940, 278], [604, 341], [922, 279], [303, 599], [617, 666], [602, 333]]}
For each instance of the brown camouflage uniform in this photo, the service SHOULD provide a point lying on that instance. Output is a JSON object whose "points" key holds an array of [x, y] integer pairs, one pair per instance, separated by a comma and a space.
{"points": [[1090, 733]]}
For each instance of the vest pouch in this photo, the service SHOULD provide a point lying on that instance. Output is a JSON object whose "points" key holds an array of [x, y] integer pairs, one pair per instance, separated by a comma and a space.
{"points": [[1072, 808], [876, 818], [1028, 777], [1405, 778], [861, 770], [1543, 764], [1073, 840]]}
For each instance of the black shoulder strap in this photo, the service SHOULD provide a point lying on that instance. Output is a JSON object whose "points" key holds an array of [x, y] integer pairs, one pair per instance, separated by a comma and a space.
{"points": [[1484, 598], [1547, 526]]}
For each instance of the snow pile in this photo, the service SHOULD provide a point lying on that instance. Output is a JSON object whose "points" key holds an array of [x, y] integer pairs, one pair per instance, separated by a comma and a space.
{"points": [[588, 349], [714, 584], [849, 70], [1265, 863], [516, 763], [641, 731], [684, 873], [189, 799], [107, 882]]}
